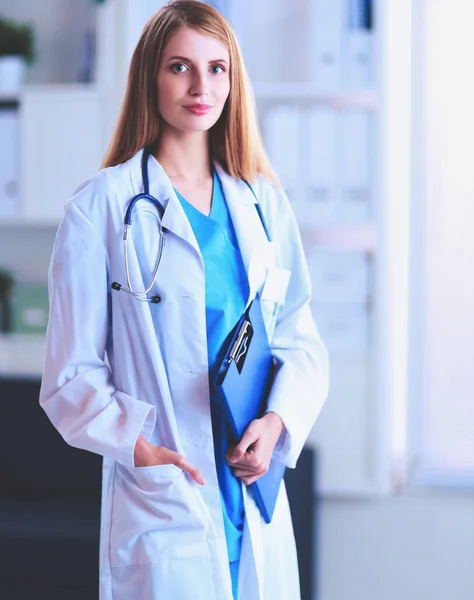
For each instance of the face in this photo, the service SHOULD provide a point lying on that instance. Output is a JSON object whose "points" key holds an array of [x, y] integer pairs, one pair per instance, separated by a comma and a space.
{"points": [[193, 81]]}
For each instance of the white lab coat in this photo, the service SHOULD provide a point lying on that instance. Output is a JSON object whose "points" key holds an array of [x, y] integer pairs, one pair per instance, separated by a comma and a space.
{"points": [[117, 367]]}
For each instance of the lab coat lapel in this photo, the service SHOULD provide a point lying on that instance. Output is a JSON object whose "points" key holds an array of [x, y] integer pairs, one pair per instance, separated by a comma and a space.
{"points": [[248, 227], [174, 218]]}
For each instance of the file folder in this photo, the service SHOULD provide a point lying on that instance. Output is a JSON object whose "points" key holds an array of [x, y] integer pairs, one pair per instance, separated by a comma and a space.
{"points": [[244, 381]]}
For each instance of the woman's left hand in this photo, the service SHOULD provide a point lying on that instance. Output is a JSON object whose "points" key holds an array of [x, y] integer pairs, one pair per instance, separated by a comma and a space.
{"points": [[251, 457]]}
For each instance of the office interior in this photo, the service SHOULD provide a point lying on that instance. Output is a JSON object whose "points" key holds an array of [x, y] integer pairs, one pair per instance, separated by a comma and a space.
{"points": [[365, 110]]}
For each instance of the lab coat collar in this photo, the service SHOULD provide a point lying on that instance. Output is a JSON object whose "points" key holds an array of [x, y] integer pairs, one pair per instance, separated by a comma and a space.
{"points": [[257, 252], [240, 201], [248, 227], [174, 217]]}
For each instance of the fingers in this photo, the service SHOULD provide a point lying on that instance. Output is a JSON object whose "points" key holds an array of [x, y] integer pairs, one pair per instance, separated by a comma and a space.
{"points": [[243, 468], [251, 461], [250, 436], [183, 463], [257, 471], [171, 457], [249, 479], [251, 467]]}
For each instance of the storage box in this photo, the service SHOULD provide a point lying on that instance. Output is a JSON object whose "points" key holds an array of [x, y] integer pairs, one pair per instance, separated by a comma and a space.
{"points": [[339, 276], [344, 328], [30, 308]]}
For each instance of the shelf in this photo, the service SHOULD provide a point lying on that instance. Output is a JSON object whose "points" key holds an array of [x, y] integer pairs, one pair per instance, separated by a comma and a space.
{"points": [[27, 223], [360, 237], [60, 88], [21, 355], [9, 102], [9, 97], [306, 92]]}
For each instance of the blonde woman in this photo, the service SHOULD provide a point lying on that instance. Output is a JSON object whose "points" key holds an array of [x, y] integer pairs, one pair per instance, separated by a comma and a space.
{"points": [[130, 365]]}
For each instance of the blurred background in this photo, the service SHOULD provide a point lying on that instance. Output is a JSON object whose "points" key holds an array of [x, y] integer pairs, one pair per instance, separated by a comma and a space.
{"points": [[366, 111]]}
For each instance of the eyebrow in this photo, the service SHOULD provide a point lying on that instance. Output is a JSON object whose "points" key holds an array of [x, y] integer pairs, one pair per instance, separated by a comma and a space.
{"points": [[185, 59]]}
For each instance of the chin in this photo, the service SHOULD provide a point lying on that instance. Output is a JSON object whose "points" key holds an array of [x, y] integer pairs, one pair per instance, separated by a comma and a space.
{"points": [[196, 124]]}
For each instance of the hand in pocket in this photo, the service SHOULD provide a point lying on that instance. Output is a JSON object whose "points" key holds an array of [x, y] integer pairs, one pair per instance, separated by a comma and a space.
{"points": [[148, 455]]}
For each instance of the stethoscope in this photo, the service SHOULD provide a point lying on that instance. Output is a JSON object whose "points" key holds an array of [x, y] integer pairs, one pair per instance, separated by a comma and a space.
{"points": [[127, 225], [162, 231]]}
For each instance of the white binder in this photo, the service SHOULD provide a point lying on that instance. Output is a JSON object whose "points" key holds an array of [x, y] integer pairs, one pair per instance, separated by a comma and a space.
{"points": [[10, 161], [355, 151], [339, 276], [344, 328], [358, 59], [357, 45], [326, 20], [321, 186], [281, 132]]}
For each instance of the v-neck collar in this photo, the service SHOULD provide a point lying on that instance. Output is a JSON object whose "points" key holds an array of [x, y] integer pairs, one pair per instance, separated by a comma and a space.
{"points": [[214, 208]]}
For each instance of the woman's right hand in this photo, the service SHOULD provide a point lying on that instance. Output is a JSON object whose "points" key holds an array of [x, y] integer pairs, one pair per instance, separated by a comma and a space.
{"points": [[147, 455]]}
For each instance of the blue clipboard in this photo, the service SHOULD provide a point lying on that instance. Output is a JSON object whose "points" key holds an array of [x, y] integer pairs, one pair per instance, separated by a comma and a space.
{"points": [[244, 381]]}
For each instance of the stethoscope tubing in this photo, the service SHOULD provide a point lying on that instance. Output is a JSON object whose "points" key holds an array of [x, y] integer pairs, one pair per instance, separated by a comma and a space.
{"points": [[145, 195], [162, 237], [129, 214]]}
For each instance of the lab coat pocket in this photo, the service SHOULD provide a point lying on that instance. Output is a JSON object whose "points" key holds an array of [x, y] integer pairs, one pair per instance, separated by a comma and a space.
{"points": [[273, 296], [155, 517]]}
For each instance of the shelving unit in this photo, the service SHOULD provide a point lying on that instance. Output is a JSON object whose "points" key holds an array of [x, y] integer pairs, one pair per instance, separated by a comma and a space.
{"points": [[308, 93], [361, 237], [354, 433], [357, 447], [20, 223], [51, 167]]}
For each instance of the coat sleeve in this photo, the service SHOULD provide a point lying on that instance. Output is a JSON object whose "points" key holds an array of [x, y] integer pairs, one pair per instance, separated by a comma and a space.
{"points": [[77, 390], [301, 383]]}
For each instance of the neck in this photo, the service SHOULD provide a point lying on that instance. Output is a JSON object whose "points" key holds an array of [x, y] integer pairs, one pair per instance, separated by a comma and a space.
{"points": [[184, 155]]}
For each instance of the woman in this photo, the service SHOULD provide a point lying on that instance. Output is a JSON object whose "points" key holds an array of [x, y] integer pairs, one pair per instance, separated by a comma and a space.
{"points": [[132, 380]]}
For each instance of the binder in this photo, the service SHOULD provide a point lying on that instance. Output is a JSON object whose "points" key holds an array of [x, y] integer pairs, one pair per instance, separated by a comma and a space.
{"points": [[343, 327], [339, 276], [326, 20], [321, 193], [244, 381], [10, 159], [281, 133], [358, 42], [355, 145]]}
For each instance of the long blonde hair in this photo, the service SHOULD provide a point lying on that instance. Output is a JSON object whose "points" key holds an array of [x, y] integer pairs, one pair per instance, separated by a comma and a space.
{"points": [[234, 141]]}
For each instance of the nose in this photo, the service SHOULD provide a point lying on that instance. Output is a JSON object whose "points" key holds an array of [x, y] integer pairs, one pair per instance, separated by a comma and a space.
{"points": [[200, 83]]}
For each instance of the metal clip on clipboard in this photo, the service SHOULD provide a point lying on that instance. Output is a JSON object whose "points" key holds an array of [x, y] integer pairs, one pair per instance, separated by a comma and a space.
{"points": [[238, 352]]}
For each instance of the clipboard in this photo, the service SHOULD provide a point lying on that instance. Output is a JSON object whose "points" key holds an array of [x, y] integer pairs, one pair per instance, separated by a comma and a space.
{"points": [[243, 381]]}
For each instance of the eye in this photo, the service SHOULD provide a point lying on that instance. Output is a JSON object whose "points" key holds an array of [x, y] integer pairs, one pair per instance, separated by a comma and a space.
{"points": [[179, 67], [217, 69]]}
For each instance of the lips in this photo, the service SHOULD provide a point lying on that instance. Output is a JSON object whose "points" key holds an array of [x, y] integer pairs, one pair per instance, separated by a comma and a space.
{"points": [[198, 109]]}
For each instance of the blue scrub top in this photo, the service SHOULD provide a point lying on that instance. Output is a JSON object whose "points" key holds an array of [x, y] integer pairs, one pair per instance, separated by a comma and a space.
{"points": [[227, 290]]}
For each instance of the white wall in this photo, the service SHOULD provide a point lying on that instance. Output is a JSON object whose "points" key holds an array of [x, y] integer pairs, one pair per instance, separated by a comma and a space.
{"points": [[59, 28], [443, 245], [417, 546]]}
